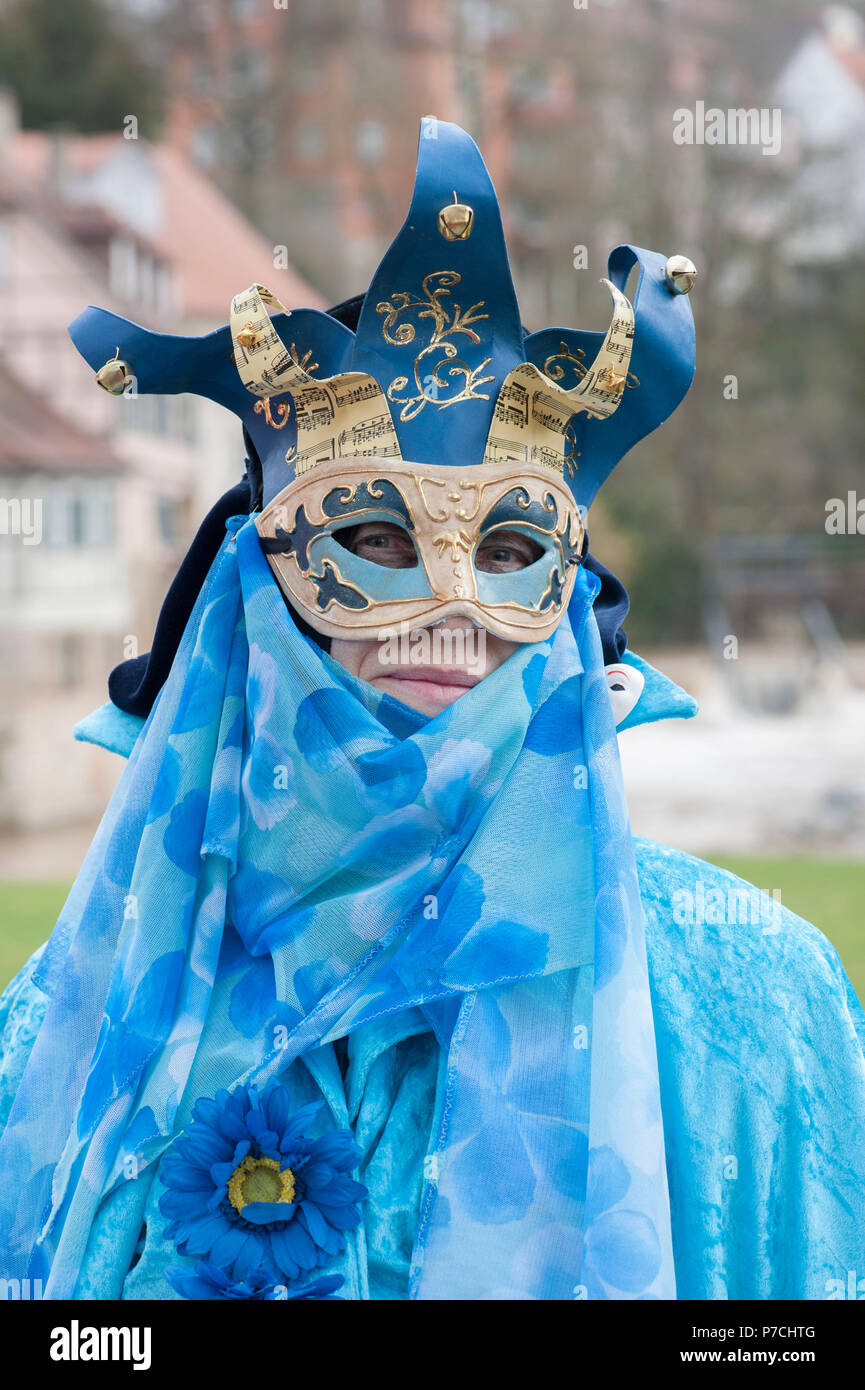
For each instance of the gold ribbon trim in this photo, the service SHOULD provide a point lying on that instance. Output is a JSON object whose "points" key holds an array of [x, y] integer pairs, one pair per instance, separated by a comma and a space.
{"points": [[533, 411], [343, 416]]}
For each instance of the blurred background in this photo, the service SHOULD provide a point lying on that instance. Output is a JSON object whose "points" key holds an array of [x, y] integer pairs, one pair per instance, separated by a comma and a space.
{"points": [[156, 156]]}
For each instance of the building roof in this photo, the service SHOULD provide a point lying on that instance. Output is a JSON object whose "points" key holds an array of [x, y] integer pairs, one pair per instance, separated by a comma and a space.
{"points": [[213, 247], [220, 251], [35, 439]]}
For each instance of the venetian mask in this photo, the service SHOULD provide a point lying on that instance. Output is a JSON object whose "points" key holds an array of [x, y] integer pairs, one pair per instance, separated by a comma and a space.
{"points": [[436, 417]]}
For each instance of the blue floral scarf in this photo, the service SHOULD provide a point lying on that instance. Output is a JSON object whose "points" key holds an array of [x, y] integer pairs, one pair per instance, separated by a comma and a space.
{"points": [[478, 865]]}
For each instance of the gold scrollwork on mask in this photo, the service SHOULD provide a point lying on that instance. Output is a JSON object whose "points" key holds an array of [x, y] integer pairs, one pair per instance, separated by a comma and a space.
{"points": [[458, 542], [555, 367], [262, 407], [456, 492], [558, 363], [437, 368], [283, 412]]}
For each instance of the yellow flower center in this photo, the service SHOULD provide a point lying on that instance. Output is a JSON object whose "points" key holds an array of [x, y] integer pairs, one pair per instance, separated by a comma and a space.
{"points": [[260, 1180]]}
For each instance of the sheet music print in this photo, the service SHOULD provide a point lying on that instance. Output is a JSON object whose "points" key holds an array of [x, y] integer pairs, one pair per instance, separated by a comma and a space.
{"points": [[506, 451], [532, 411], [343, 416]]}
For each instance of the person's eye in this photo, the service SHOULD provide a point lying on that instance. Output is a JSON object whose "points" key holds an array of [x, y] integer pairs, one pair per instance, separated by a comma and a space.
{"points": [[383, 545], [503, 553]]}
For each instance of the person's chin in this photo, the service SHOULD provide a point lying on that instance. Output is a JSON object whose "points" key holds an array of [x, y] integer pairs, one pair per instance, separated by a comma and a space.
{"points": [[426, 695]]}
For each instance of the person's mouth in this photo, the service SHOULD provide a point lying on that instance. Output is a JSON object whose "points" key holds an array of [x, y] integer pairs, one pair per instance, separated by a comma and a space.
{"points": [[439, 684]]}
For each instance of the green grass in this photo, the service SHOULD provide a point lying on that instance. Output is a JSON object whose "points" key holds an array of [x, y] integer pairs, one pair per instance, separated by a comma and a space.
{"points": [[829, 893], [28, 912]]}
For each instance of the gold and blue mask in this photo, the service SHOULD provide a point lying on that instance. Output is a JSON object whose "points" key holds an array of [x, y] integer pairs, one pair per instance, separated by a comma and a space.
{"points": [[437, 421]]}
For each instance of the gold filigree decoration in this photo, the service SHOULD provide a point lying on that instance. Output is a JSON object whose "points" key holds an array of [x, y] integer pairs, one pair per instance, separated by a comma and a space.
{"points": [[456, 540], [305, 362], [434, 380], [262, 407], [555, 367], [452, 496], [572, 453], [558, 363]]}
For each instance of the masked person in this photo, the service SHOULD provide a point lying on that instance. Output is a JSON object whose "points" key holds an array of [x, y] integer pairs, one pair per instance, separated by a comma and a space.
{"points": [[365, 989]]}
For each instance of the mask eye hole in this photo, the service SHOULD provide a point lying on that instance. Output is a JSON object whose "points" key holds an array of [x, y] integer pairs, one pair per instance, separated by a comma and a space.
{"points": [[506, 550], [381, 542]]}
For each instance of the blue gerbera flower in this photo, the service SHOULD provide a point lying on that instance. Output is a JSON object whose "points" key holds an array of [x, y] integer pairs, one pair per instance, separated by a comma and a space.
{"points": [[249, 1190], [207, 1281]]}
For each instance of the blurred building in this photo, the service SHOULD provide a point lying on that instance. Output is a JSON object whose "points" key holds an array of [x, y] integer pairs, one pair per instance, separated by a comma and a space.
{"points": [[821, 89], [99, 494], [307, 114]]}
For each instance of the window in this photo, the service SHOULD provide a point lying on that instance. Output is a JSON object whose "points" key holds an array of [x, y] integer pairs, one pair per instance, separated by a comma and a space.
{"points": [[246, 70], [205, 145], [123, 267], [169, 520], [79, 515], [308, 76], [532, 86], [370, 141], [69, 661], [77, 521], [311, 141], [202, 76]]}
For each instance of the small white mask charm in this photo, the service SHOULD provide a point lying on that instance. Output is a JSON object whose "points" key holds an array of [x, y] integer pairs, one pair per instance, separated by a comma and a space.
{"points": [[625, 684]]}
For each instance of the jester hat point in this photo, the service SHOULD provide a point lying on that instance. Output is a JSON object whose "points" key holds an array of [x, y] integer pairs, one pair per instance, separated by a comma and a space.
{"points": [[437, 414]]}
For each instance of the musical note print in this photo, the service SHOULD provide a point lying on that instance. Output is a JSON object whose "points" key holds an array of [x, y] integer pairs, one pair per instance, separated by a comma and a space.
{"points": [[534, 409], [343, 416]]}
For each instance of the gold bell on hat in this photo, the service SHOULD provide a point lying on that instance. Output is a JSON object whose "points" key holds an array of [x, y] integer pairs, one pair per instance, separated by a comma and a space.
{"points": [[247, 337], [455, 220], [114, 376], [612, 381], [681, 274]]}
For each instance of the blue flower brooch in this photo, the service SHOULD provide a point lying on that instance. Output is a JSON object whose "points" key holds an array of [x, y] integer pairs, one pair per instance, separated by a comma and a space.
{"points": [[256, 1199]]}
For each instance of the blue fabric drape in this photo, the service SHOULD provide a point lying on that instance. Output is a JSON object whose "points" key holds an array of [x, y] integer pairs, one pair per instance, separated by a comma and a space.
{"points": [[478, 866]]}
